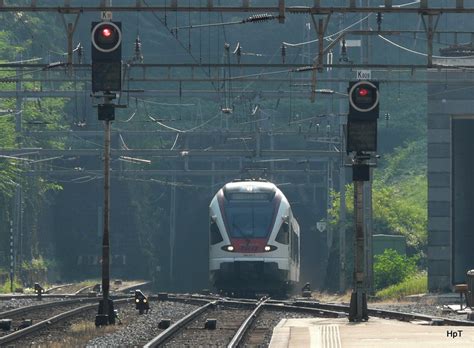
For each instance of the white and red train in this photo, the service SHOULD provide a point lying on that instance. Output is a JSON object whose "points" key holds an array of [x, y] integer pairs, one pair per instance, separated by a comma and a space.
{"points": [[254, 239]]}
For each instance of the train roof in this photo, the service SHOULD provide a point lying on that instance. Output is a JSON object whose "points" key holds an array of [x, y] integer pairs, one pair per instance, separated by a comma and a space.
{"points": [[250, 186]]}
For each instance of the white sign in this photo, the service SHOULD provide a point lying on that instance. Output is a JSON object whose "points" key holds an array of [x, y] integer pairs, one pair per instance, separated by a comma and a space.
{"points": [[106, 15], [364, 74], [352, 43], [321, 226]]}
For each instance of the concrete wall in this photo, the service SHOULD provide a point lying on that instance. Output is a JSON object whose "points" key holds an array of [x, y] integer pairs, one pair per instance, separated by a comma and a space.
{"points": [[447, 103]]}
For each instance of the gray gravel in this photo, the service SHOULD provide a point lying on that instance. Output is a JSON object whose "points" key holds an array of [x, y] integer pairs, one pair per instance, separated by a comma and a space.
{"points": [[228, 318], [142, 328], [262, 329], [6, 305], [431, 310]]}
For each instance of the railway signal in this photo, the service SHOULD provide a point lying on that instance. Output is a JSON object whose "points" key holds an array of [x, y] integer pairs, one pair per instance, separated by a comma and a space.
{"points": [[362, 140], [106, 40], [141, 302], [39, 291], [362, 117]]}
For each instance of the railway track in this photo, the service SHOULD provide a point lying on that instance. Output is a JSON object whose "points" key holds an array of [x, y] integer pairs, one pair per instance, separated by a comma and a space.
{"points": [[225, 322], [54, 317], [39, 312], [384, 314], [196, 320]]}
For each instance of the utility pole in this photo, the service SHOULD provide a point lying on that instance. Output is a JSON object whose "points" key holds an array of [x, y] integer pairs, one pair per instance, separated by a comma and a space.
{"points": [[12, 257], [362, 142], [367, 186], [18, 210], [106, 237], [106, 53], [172, 227], [342, 173], [107, 304], [359, 294]]}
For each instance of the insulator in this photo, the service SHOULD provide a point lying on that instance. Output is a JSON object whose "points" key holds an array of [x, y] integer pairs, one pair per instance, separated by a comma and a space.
{"points": [[239, 53], [138, 45], [80, 53], [283, 53], [260, 18], [343, 57], [138, 49], [379, 20]]}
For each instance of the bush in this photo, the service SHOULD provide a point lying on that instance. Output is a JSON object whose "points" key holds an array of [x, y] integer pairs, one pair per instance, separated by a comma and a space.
{"points": [[5, 288], [415, 284], [392, 268]]}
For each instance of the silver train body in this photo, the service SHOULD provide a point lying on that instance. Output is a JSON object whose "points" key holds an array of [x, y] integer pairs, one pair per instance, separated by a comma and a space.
{"points": [[254, 239]]}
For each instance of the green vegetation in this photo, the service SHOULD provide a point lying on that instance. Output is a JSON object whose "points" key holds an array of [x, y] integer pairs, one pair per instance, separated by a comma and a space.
{"points": [[415, 284], [391, 268], [6, 287], [399, 201]]}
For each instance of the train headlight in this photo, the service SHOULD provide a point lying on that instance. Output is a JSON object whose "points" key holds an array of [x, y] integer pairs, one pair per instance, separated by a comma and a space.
{"points": [[230, 248], [137, 300], [270, 248]]}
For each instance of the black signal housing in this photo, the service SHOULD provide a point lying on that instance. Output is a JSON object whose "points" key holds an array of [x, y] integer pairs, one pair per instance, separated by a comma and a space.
{"points": [[106, 49], [364, 100]]}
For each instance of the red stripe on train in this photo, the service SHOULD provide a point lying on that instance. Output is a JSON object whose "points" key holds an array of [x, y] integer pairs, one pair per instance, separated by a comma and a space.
{"points": [[253, 245]]}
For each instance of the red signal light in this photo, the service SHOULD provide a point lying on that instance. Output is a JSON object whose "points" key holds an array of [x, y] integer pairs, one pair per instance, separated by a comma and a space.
{"points": [[363, 92], [106, 32]]}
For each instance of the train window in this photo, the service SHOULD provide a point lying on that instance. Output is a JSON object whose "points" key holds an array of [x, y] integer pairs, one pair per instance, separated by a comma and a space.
{"points": [[251, 196], [249, 220], [215, 233], [283, 235]]}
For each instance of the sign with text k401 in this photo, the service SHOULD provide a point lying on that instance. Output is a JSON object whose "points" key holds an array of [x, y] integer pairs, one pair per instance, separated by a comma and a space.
{"points": [[364, 74]]}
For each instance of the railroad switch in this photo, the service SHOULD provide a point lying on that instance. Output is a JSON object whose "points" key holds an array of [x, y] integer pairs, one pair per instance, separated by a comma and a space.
{"points": [[306, 290], [24, 324], [210, 324], [306, 294], [39, 291], [164, 324], [162, 296], [5, 324], [141, 302]]}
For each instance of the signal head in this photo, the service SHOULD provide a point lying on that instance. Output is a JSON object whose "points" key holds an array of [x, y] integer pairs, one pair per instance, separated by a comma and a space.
{"points": [[364, 96], [106, 36]]}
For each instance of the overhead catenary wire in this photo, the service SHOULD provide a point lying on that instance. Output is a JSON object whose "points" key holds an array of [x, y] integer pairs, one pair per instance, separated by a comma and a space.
{"points": [[186, 130], [343, 30], [420, 53]]}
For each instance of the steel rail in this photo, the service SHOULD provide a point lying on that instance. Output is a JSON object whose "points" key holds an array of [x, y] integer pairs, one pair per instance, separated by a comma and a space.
{"points": [[239, 335], [382, 313], [69, 296], [315, 311], [48, 322], [47, 291], [28, 309], [178, 326], [132, 287], [83, 289]]}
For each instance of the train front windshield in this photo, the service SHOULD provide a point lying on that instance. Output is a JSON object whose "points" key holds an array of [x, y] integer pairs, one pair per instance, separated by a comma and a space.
{"points": [[250, 219]]}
